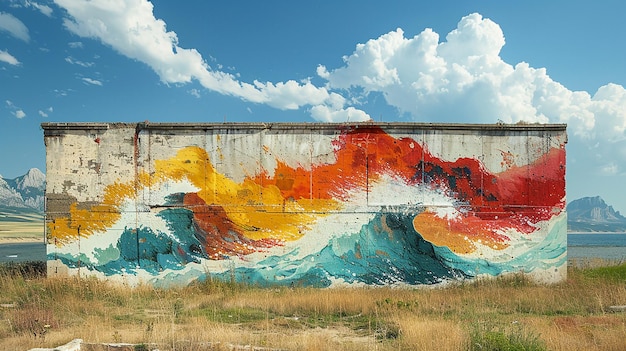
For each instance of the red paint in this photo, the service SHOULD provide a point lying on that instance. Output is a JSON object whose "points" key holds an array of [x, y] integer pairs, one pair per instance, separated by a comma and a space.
{"points": [[221, 236], [370, 152], [516, 198]]}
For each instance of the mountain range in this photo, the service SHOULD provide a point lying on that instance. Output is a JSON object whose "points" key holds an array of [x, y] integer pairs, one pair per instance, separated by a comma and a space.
{"points": [[22, 206], [26, 195], [27, 191]]}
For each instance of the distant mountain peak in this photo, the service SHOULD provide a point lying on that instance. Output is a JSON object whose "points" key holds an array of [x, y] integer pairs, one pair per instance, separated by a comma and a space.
{"points": [[591, 214], [34, 178], [24, 191], [36, 171], [590, 201]]}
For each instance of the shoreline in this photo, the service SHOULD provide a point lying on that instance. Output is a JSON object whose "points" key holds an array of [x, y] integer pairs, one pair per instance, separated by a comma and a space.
{"points": [[21, 240], [592, 233]]}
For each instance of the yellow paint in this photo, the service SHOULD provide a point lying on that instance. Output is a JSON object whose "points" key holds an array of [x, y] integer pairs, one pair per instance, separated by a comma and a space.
{"points": [[96, 218], [260, 211]]}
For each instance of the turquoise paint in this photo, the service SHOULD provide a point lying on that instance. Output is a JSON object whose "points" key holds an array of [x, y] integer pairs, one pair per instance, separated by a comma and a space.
{"points": [[549, 253], [371, 256]]}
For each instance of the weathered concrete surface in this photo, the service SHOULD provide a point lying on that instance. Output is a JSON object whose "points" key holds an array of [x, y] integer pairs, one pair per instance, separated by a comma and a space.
{"points": [[307, 204]]}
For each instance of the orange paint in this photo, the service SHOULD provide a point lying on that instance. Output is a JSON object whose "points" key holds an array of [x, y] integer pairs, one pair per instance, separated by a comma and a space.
{"points": [[459, 234]]}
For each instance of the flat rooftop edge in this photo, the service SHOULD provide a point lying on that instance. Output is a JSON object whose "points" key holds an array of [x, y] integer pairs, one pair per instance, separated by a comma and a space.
{"points": [[296, 125]]}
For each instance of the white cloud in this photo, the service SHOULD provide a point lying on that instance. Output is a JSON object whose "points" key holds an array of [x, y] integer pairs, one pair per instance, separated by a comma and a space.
{"points": [[609, 106], [60, 92], [45, 9], [8, 58], [91, 81], [130, 28], [19, 114], [15, 110], [14, 26], [610, 169], [75, 45], [73, 61], [291, 95], [464, 79], [195, 92], [44, 113], [325, 113]]}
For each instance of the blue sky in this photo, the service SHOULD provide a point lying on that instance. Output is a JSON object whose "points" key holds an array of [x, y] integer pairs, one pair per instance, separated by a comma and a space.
{"points": [[276, 61]]}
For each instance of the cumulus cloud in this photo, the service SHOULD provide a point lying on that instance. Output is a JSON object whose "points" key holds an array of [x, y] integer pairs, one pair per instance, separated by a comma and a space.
{"points": [[130, 28], [325, 113], [19, 114], [14, 26], [609, 106], [8, 58], [464, 79]]}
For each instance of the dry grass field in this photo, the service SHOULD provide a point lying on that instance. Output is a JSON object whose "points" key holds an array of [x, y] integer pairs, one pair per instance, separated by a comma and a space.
{"points": [[500, 314]]}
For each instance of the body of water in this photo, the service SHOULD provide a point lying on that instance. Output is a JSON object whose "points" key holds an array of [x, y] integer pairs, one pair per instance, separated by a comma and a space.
{"points": [[20, 252], [596, 246], [579, 247]]}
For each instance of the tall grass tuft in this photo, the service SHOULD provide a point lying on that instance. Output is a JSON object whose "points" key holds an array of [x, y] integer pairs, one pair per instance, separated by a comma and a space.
{"points": [[491, 337]]}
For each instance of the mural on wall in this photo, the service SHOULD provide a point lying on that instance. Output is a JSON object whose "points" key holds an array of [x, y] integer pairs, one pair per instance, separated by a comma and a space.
{"points": [[357, 205]]}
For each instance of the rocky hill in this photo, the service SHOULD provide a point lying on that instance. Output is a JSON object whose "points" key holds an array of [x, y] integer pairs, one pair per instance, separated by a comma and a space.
{"points": [[27, 191], [592, 214]]}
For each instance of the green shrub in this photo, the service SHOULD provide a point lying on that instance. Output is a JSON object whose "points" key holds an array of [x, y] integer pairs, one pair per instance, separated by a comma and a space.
{"points": [[496, 339], [609, 273]]}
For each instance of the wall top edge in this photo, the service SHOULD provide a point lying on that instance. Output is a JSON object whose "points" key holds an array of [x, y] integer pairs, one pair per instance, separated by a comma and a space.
{"points": [[51, 126]]}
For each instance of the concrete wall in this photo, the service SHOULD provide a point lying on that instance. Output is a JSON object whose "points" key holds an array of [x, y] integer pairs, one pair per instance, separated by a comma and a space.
{"points": [[305, 204]]}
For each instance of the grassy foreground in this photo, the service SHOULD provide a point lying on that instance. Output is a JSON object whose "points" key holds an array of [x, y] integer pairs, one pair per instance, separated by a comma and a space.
{"points": [[500, 314]]}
